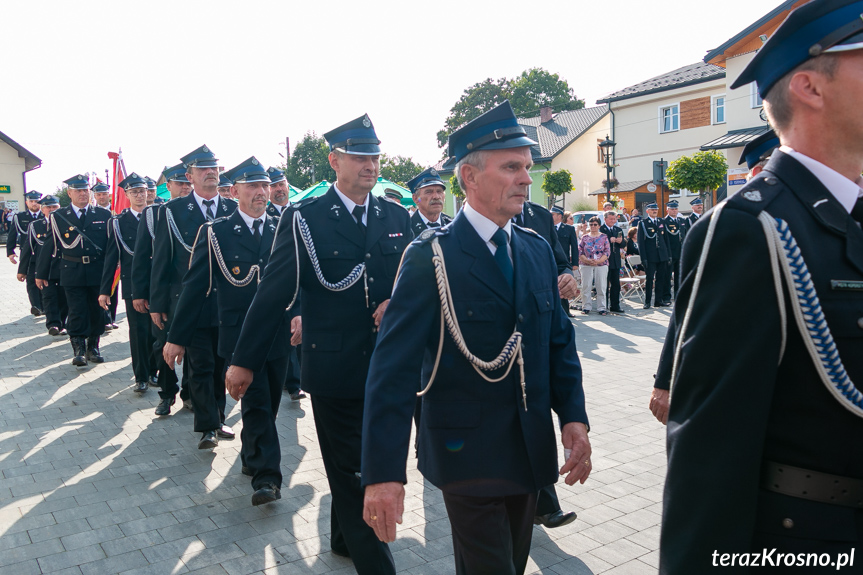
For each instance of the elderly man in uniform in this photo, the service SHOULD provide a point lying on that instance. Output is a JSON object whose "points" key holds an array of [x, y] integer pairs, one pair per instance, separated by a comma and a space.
{"points": [[428, 192], [224, 186], [675, 233], [53, 296], [697, 209], [617, 241], [358, 241], [655, 256], [765, 429], [239, 247], [489, 447], [122, 233], [142, 266], [79, 238], [179, 222], [279, 194], [17, 236], [152, 190], [102, 195]]}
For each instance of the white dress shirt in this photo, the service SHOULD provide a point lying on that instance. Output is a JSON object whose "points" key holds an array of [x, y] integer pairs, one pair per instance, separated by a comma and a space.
{"points": [[843, 189], [350, 205], [486, 229], [201, 205]]}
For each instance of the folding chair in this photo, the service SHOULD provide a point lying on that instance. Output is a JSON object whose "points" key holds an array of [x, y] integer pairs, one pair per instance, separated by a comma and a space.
{"points": [[632, 286]]}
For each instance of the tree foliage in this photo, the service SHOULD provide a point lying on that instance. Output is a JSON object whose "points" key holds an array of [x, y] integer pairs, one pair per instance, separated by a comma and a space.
{"points": [[454, 188], [399, 169], [702, 172], [309, 164], [557, 183], [62, 193], [527, 93]]}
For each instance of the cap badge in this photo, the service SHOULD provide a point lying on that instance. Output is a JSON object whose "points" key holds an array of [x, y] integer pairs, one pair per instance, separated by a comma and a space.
{"points": [[752, 195], [235, 270], [366, 122], [254, 162], [433, 172], [205, 149]]}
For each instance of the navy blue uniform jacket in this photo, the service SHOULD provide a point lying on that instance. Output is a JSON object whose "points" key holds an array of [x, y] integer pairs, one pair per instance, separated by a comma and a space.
{"points": [[476, 438], [76, 273], [142, 263], [117, 254], [240, 253], [418, 225], [338, 329], [735, 401]]}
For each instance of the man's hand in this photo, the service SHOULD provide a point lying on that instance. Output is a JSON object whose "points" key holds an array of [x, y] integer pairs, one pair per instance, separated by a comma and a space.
{"points": [[21, 277], [659, 405], [297, 330], [41, 283], [141, 305], [159, 319], [578, 465], [237, 381], [13, 260], [567, 285], [384, 507], [171, 352], [104, 301], [379, 313]]}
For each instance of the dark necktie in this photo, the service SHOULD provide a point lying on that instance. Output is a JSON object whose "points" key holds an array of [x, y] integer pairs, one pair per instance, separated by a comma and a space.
{"points": [[210, 214], [857, 211], [434, 224], [82, 216], [358, 216], [501, 257], [256, 231]]}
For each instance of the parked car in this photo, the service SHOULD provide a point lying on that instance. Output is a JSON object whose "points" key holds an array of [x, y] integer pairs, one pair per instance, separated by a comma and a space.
{"points": [[580, 219]]}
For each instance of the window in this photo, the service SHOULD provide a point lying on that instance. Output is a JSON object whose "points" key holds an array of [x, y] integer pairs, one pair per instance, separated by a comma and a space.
{"points": [[600, 152], [718, 109], [754, 96], [669, 119]]}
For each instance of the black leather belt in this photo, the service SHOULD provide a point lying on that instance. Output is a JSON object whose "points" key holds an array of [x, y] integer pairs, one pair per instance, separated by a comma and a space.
{"points": [[812, 485], [81, 260]]}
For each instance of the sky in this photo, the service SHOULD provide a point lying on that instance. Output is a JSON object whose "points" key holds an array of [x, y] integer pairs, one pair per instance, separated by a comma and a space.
{"points": [[157, 78]]}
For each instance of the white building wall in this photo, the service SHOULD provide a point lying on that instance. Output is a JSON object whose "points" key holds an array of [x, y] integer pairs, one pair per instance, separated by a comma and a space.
{"points": [[11, 169]]}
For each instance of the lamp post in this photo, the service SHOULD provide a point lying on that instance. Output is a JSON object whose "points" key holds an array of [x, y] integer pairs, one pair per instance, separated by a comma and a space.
{"points": [[607, 148]]}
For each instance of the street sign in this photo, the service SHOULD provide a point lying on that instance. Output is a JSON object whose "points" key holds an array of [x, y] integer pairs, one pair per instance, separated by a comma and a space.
{"points": [[651, 188], [659, 172], [5, 189]]}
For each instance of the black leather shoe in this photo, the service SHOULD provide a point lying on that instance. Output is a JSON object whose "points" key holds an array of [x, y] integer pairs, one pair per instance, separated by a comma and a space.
{"points": [[154, 380], [141, 386], [557, 519], [246, 471], [617, 311], [79, 348], [187, 404], [225, 432], [663, 304], [35, 311], [298, 395], [79, 361], [93, 350], [265, 494], [53, 330], [208, 440], [341, 552], [164, 407], [647, 306]]}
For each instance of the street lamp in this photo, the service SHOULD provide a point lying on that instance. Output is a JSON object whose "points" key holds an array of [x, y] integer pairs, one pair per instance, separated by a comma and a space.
{"points": [[607, 149]]}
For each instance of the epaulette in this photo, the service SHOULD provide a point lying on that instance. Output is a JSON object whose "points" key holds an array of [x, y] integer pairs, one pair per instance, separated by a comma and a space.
{"points": [[427, 234], [217, 221], [305, 202], [757, 194], [527, 230]]}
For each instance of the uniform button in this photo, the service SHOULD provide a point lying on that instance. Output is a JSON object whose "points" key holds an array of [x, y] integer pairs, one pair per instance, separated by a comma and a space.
{"points": [[770, 182], [260, 261], [860, 323], [371, 280], [374, 304], [469, 313], [520, 317], [314, 346], [787, 523], [236, 257], [335, 253], [368, 256]]}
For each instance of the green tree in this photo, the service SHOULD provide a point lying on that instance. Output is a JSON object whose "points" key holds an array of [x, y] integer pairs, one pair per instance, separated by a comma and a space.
{"points": [[62, 193], [399, 169], [702, 172], [536, 88], [475, 101], [309, 164], [527, 93], [556, 184], [454, 188]]}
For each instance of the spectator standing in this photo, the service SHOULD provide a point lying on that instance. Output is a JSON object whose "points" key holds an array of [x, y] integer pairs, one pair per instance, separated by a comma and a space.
{"points": [[616, 243], [593, 252]]}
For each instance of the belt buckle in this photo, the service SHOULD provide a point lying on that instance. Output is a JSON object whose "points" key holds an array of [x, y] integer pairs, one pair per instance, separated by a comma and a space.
{"points": [[85, 259]]}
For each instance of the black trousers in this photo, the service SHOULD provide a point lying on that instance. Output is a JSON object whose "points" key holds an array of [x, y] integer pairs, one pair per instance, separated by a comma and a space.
{"points": [[339, 425], [292, 371], [168, 387], [491, 535], [673, 272], [259, 407], [547, 501], [139, 330], [54, 305], [206, 379], [655, 273], [86, 317], [34, 294], [613, 287]]}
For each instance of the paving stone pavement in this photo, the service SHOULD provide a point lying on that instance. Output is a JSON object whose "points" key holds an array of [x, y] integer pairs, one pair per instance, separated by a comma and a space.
{"points": [[91, 482]]}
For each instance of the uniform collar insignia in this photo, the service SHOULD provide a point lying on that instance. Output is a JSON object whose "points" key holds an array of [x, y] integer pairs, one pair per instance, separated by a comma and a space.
{"points": [[529, 209], [190, 207], [752, 195], [377, 210], [335, 209]]}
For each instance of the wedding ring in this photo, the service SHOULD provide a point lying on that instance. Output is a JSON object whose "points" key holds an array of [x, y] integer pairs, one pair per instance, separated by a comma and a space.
{"points": [[374, 517]]}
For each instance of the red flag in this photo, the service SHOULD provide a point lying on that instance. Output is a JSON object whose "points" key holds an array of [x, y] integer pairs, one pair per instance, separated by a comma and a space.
{"points": [[119, 201]]}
